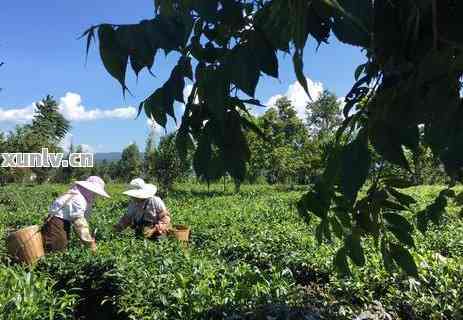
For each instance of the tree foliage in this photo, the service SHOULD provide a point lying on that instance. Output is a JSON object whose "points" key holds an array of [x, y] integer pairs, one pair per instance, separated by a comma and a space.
{"points": [[130, 165], [168, 167], [411, 77], [47, 129], [324, 116], [282, 152]]}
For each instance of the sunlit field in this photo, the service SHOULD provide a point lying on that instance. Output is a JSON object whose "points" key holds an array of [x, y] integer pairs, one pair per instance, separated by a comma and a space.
{"points": [[250, 257]]}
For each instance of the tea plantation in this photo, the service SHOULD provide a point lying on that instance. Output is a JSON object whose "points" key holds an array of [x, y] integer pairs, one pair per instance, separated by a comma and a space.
{"points": [[250, 257]]}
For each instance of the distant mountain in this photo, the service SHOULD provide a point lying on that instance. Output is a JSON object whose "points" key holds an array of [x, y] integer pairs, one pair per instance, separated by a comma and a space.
{"points": [[108, 156]]}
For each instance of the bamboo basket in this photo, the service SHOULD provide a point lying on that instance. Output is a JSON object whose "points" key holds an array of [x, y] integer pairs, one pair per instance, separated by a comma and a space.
{"points": [[26, 244], [181, 232]]}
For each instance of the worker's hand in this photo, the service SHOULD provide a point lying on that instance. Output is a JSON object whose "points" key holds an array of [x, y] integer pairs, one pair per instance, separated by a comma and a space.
{"points": [[149, 232], [93, 246]]}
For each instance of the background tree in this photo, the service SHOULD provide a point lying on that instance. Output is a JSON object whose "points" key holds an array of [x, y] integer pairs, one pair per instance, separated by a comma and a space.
{"points": [[149, 156], [66, 174], [168, 167], [48, 128], [81, 173], [413, 63], [324, 116], [282, 158], [3, 171], [48, 124], [130, 165]]}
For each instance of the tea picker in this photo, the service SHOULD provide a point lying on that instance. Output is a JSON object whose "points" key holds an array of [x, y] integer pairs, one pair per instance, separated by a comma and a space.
{"points": [[146, 214], [71, 209]]}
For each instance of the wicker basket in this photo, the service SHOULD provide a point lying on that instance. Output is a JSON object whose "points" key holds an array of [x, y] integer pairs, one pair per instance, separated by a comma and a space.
{"points": [[26, 244], [181, 232]]}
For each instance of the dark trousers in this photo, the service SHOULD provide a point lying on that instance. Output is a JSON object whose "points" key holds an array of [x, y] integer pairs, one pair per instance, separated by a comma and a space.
{"points": [[56, 233]]}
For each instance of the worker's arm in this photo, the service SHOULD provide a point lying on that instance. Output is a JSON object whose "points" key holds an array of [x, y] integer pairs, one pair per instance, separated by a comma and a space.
{"points": [[162, 227], [123, 223], [83, 231]]}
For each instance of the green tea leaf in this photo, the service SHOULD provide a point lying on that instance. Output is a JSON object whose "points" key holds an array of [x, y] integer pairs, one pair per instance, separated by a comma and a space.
{"points": [[354, 248], [386, 255], [404, 259], [402, 235], [397, 221], [340, 262]]}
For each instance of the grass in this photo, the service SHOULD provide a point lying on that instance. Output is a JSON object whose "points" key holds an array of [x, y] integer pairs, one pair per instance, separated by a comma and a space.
{"points": [[251, 256]]}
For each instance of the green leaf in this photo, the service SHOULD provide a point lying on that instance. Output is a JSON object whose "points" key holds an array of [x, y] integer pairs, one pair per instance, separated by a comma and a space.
{"points": [[185, 67], [265, 53], [207, 9], [318, 200], [90, 34], [354, 176], [133, 40], [398, 183], [173, 89], [319, 232], [404, 259], [154, 107], [387, 143], [404, 199], [352, 22], [235, 148], [422, 220], [402, 235], [210, 77], [344, 217], [436, 210], [203, 155], [340, 262], [366, 222], [243, 69], [161, 102], [354, 248], [387, 204], [183, 141], [269, 62], [323, 231], [386, 255], [299, 70], [336, 227], [303, 210], [398, 221], [326, 229], [114, 57]]}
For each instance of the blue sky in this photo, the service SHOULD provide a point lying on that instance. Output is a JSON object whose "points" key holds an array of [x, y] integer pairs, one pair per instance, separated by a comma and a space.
{"points": [[43, 56]]}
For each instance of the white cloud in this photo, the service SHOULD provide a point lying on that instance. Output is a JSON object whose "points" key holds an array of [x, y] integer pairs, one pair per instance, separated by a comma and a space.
{"points": [[71, 108], [298, 96], [21, 115]]}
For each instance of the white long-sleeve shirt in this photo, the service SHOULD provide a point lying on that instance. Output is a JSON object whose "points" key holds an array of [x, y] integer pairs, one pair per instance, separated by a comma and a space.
{"points": [[73, 207]]}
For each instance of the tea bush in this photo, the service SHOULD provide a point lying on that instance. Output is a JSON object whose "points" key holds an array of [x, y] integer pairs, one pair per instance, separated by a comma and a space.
{"points": [[250, 257]]}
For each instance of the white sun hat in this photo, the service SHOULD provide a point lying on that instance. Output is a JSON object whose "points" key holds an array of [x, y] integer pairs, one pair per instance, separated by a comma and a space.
{"points": [[94, 184], [140, 190]]}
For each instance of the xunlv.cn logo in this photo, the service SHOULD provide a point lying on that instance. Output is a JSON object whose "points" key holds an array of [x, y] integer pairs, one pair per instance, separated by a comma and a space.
{"points": [[46, 159]]}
